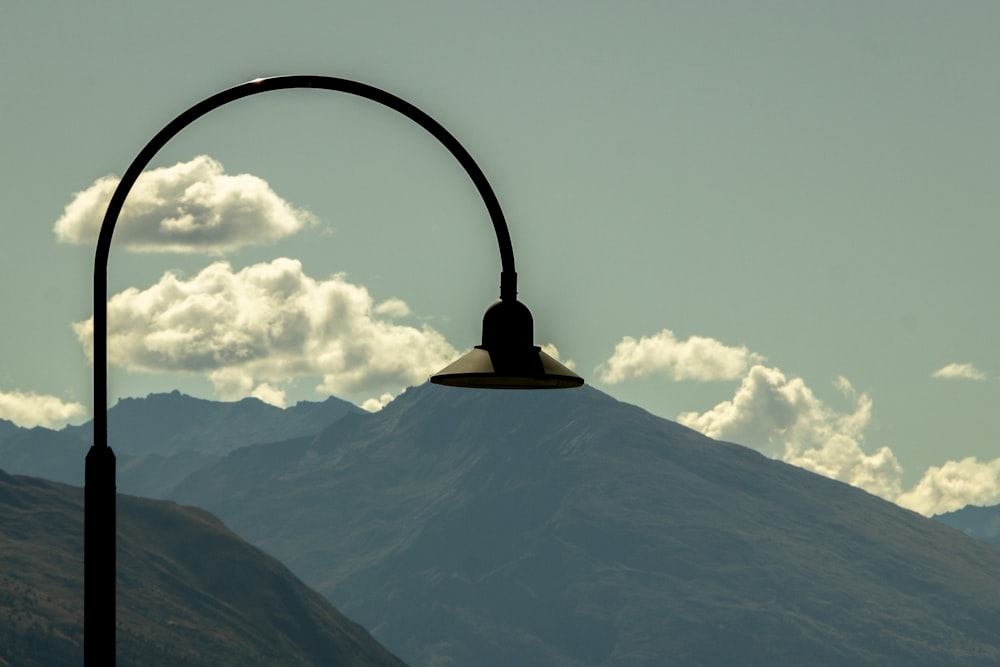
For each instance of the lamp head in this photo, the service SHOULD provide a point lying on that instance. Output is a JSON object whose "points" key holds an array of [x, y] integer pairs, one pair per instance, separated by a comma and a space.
{"points": [[507, 358]]}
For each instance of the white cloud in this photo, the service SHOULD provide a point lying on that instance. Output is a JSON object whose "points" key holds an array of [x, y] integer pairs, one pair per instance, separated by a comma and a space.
{"points": [[252, 330], [954, 485], [782, 416], [553, 351], [376, 404], [29, 409], [189, 207], [697, 358], [269, 394], [962, 371], [395, 308]]}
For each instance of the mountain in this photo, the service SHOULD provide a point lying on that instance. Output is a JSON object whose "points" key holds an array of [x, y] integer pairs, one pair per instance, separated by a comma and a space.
{"points": [[174, 422], [982, 523], [41, 452], [190, 591], [7, 429], [160, 439], [566, 528]]}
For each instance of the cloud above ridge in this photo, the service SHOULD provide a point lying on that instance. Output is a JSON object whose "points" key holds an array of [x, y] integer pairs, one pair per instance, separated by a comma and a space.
{"points": [[190, 207], [769, 411], [28, 409], [954, 485], [697, 358], [252, 330], [781, 416]]}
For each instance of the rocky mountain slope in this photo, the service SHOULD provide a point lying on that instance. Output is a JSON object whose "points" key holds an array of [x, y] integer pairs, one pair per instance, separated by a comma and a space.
{"points": [[567, 528]]}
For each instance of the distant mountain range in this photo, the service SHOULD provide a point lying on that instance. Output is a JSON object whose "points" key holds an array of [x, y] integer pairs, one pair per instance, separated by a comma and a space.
{"points": [[167, 424], [160, 439], [566, 528], [982, 523], [190, 591]]}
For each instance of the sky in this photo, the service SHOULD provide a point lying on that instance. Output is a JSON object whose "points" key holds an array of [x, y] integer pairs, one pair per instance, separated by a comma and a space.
{"points": [[774, 222]]}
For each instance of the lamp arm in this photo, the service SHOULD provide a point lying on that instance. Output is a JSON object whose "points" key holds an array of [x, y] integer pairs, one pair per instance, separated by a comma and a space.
{"points": [[508, 276], [99, 486]]}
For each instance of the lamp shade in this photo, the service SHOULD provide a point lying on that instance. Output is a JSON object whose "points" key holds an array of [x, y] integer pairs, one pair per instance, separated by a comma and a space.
{"points": [[507, 358]]}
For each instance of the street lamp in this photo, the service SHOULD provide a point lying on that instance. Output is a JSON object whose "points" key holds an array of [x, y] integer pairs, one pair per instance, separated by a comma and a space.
{"points": [[506, 359]]}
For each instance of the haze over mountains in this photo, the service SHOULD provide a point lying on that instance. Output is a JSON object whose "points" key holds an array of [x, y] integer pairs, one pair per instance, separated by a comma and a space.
{"points": [[567, 528]]}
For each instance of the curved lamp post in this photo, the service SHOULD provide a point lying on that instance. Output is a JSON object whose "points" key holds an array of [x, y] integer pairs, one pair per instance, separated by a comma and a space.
{"points": [[506, 359]]}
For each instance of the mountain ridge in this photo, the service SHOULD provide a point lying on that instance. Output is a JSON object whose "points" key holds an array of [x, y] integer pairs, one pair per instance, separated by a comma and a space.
{"points": [[206, 426], [189, 591], [982, 523], [159, 439], [572, 529]]}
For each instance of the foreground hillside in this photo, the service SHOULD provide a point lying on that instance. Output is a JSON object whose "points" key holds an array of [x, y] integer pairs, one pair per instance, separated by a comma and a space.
{"points": [[190, 591], [567, 528]]}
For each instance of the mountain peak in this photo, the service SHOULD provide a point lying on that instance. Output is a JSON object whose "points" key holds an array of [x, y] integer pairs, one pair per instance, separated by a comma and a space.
{"points": [[538, 528]]}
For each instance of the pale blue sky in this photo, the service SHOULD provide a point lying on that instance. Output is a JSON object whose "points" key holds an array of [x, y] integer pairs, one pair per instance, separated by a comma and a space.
{"points": [[811, 186]]}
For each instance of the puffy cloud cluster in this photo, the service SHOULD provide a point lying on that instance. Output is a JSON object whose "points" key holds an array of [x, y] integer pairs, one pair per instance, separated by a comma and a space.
{"points": [[254, 329], [697, 358], [29, 409], [959, 371], [784, 417], [954, 485], [190, 207]]}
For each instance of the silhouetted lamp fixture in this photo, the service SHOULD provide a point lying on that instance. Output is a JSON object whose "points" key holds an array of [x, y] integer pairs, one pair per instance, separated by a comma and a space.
{"points": [[506, 359]]}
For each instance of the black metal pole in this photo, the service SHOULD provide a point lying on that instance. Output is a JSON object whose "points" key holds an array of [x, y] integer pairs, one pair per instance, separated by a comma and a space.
{"points": [[100, 543]]}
